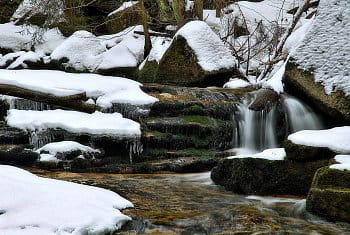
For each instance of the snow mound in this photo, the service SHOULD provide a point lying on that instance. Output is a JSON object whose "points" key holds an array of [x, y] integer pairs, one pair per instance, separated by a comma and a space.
{"points": [[36, 205], [212, 54], [106, 90], [236, 83], [83, 51], [336, 139], [276, 154], [118, 57], [66, 146], [326, 48], [343, 163], [110, 124]]}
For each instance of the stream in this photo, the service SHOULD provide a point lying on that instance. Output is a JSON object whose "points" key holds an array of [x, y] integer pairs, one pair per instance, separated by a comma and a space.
{"points": [[192, 204]]}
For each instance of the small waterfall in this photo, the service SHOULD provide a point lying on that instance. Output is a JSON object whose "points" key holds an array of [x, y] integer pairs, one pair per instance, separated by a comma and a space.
{"points": [[300, 116], [257, 129], [135, 148]]}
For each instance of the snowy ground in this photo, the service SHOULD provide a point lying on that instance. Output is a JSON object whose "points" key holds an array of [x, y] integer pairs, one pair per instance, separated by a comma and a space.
{"points": [[31, 205], [336, 139], [104, 89]]}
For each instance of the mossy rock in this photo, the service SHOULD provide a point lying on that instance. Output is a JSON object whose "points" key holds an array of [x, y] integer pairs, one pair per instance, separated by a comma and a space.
{"points": [[17, 155], [179, 66], [265, 177], [148, 72], [329, 196], [301, 83], [303, 153]]}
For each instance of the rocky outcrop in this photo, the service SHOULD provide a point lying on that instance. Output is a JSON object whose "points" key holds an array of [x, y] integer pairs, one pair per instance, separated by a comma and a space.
{"points": [[17, 155], [265, 177], [329, 196]]}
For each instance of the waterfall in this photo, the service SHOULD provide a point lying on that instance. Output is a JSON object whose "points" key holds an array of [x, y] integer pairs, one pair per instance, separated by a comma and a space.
{"points": [[300, 116], [257, 129]]}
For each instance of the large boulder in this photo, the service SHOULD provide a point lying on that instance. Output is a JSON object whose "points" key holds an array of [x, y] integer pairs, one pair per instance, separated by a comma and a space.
{"points": [[196, 56], [266, 177], [319, 70], [330, 194]]}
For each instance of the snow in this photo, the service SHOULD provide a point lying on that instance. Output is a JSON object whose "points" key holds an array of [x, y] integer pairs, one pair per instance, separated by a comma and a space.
{"points": [[295, 39], [18, 38], [275, 82], [118, 57], [123, 7], [326, 48], [29, 56], [35, 205], [343, 163], [276, 154], [83, 51], [107, 124], [8, 58], [336, 139], [66, 146], [236, 83], [159, 47], [211, 52], [106, 90]]}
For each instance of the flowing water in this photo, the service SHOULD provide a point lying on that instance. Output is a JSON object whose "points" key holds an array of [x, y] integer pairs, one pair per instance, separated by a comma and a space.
{"points": [[258, 130], [192, 204]]}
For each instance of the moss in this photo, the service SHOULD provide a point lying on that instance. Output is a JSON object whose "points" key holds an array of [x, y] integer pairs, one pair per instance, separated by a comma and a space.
{"points": [[199, 119], [148, 72], [331, 178], [301, 83], [303, 153]]}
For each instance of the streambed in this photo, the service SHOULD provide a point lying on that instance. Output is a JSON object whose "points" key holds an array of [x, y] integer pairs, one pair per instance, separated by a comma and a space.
{"points": [[192, 204]]}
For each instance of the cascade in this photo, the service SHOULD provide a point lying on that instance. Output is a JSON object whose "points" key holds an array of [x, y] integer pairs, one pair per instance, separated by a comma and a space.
{"points": [[300, 116], [257, 130]]}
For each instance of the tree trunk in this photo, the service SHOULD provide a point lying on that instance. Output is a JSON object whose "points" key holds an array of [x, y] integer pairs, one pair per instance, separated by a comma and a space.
{"points": [[199, 9], [218, 7], [179, 10], [148, 43], [75, 102]]}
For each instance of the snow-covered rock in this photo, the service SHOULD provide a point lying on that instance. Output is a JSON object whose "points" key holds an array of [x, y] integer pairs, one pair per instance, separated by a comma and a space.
{"points": [[33, 205], [343, 163], [236, 83], [82, 50], [74, 122], [336, 139], [118, 57], [105, 90], [196, 56]]}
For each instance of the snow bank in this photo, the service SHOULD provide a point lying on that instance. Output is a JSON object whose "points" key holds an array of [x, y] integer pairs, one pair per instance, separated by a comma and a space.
{"points": [[336, 139], [35, 205], [344, 163], [277, 154], [123, 7], [83, 51], [111, 124], [326, 48], [236, 83], [211, 52], [106, 90]]}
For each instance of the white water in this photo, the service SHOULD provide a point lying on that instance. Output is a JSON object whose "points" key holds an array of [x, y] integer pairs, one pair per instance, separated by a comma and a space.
{"points": [[257, 130], [300, 116]]}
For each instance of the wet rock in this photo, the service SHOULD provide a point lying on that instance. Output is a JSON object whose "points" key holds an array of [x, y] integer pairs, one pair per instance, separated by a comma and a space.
{"points": [[10, 135], [329, 196], [4, 107], [264, 99], [7, 8], [265, 177], [303, 153], [17, 155], [335, 106]]}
